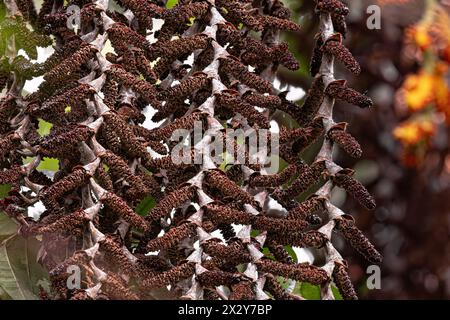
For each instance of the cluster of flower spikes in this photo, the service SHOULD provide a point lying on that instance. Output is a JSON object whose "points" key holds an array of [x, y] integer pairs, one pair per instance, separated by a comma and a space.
{"points": [[188, 245]]}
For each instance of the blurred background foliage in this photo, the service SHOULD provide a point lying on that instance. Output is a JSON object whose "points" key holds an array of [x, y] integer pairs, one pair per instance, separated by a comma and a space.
{"points": [[405, 139]]}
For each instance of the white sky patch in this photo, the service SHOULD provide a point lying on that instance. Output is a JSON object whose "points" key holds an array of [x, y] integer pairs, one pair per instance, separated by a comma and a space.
{"points": [[43, 53], [218, 234], [157, 25], [36, 210], [274, 127], [295, 93], [303, 255], [33, 84], [149, 112], [189, 60]]}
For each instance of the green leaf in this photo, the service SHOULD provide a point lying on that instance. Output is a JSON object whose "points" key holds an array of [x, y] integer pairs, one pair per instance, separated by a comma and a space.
{"points": [[171, 3], [44, 127], [146, 205], [337, 295], [291, 253], [19, 276], [50, 164], [4, 189], [307, 291], [7, 227]]}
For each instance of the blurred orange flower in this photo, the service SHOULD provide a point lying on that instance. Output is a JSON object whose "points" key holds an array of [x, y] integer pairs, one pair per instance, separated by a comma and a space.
{"points": [[415, 131]]}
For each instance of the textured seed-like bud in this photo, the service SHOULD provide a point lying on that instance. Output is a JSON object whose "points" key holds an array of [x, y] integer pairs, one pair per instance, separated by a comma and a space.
{"points": [[355, 189], [172, 237], [299, 272], [313, 239], [7, 144], [339, 24], [119, 169], [335, 47], [274, 180], [230, 100], [116, 288], [338, 89], [279, 252], [186, 87], [243, 290], [275, 289], [119, 206], [217, 278], [358, 240], [116, 254], [305, 209], [332, 6], [236, 13], [61, 145], [343, 282], [271, 22], [239, 71], [171, 276], [218, 180], [11, 175], [70, 64], [172, 200], [145, 89], [169, 51], [270, 102], [346, 141], [68, 223], [278, 225], [225, 215], [72, 181], [308, 175], [186, 122], [312, 102], [234, 252]]}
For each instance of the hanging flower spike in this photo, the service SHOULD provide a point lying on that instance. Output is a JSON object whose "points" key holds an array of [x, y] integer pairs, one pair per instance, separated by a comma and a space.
{"points": [[345, 140], [304, 210], [312, 102], [116, 204], [217, 278], [71, 64], [308, 175], [145, 89], [171, 276], [338, 89], [172, 237], [332, 6], [230, 99], [116, 254], [333, 46], [232, 65], [298, 272], [358, 240], [344, 180], [274, 180], [343, 282], [51, 195], [219, 180], [172, 200], [225, 215], [58, 146], [242, 290]]}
